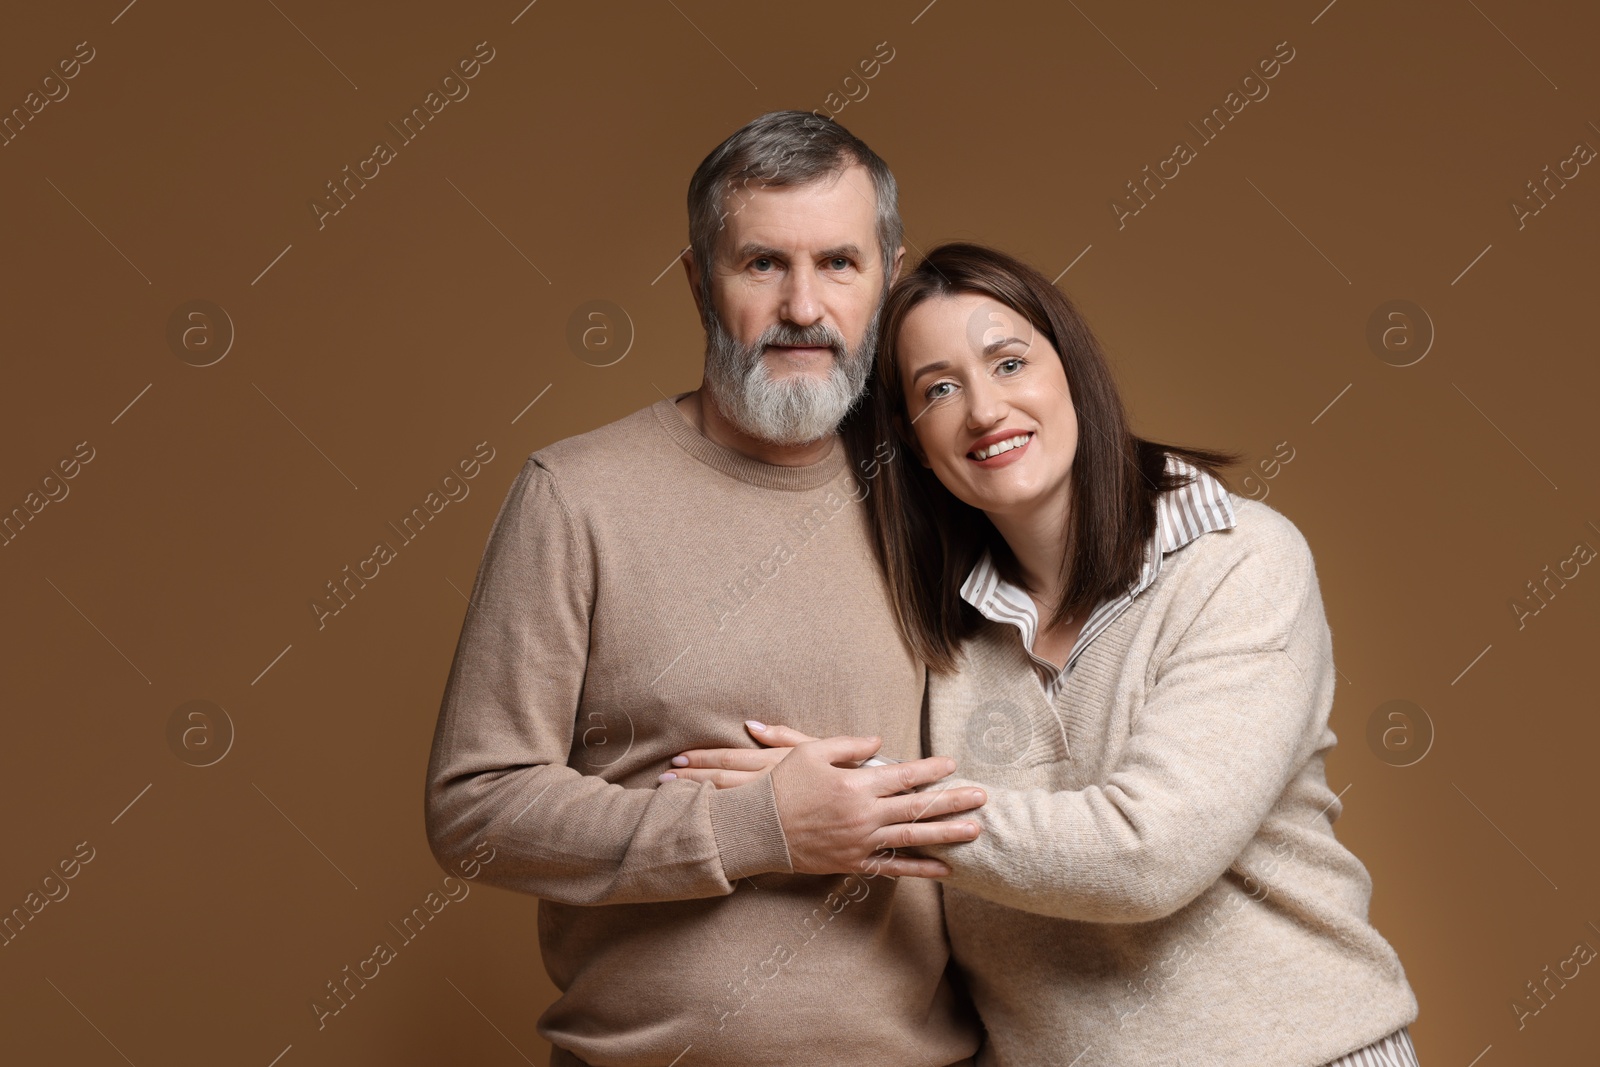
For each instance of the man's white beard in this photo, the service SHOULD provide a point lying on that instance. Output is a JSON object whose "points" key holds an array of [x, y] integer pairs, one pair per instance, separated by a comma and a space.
{"points": [[793, 410]]}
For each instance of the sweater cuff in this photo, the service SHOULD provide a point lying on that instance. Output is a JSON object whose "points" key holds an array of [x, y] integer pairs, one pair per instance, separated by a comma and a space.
{"points": [[749, 836]]}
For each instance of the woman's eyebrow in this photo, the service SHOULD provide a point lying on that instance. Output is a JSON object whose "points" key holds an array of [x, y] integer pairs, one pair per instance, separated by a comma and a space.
{"points": [[929, 369], [994, 346]]}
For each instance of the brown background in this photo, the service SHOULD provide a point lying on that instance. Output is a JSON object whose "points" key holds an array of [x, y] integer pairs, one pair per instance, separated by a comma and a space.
{"points": [[375, 352]]}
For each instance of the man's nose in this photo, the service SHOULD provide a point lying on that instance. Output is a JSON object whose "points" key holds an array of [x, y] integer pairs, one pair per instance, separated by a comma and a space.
{"points": [[801, 305]]}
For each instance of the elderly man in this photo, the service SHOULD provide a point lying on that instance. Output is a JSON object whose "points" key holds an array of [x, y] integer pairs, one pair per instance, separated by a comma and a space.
{"points": [[651, 585]]}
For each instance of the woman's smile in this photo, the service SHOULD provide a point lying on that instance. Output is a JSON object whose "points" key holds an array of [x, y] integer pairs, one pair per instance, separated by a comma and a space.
{"points": [[1000, 450]]}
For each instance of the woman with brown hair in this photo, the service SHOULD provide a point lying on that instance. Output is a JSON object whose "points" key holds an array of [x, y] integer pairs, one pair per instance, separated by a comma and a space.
{"points": [[1134, 664]]}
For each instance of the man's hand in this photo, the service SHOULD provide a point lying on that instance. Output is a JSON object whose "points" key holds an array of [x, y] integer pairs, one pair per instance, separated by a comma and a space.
{"points": [[838, 816], [835, 818]]}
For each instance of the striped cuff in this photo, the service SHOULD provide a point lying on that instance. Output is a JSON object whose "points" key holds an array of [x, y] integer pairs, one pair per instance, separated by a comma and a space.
{"points": [[1392, 1051], [749, 836]]}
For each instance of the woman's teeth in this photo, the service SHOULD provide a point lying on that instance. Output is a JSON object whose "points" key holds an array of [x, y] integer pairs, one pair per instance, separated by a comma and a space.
{"points": [[1001, 446]]}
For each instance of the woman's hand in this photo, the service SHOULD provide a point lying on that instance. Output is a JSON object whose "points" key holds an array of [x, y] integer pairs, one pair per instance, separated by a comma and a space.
{"points": [[728, 767]]}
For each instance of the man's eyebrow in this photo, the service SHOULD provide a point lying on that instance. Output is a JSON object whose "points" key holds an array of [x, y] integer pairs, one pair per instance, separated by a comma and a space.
{"points": [[994, 346], [750, 250]]}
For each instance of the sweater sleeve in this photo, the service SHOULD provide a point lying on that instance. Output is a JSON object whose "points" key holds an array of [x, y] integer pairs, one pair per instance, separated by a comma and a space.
{"points": [[1234, 712], [498, 769]]}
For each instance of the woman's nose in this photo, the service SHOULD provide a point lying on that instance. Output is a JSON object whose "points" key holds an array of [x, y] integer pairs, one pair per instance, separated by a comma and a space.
{"points": [[985, 404]]}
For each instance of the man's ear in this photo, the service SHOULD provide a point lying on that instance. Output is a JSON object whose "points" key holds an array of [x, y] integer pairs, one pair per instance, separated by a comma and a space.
{"points": [[691, 270], [899, 256]]}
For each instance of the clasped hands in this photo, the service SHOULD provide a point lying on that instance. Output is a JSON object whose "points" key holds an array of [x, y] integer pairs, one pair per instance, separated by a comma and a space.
{"points": [[839, 817]]}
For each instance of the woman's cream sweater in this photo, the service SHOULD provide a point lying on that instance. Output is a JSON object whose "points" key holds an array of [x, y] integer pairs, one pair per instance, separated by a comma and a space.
{"points": [[1157, 880]]}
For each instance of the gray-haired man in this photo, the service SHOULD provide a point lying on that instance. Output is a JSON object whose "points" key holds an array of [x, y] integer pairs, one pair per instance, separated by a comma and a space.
{"points": [[648, 587]]}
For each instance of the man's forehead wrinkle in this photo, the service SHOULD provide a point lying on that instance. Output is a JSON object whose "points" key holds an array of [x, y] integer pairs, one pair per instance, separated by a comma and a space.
{"points": [[823, 184], [801, 228], [788, 238], [826, 180], [764, 195]]}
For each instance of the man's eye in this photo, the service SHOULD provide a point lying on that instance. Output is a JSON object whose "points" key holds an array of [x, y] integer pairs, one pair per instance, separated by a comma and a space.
{"points": [[839, 263], [761, 264]]}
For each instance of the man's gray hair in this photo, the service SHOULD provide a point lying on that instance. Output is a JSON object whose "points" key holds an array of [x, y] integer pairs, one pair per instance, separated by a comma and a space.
{"points": [[777, 149]]}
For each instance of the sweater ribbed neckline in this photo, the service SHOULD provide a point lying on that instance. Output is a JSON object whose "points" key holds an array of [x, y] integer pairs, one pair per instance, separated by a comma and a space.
{"points": [[737, 464]]}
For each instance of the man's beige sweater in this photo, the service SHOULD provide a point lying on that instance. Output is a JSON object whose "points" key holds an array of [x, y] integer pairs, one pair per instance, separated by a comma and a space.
{"points": [[1157, 879], [645, 591]]}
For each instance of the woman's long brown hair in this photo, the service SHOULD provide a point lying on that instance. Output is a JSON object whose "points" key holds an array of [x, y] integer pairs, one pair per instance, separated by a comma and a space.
{"points": [[927, 541]]}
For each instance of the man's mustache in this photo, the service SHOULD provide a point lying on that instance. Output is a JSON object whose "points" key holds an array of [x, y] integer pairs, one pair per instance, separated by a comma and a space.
{"points": [[817, 335]]}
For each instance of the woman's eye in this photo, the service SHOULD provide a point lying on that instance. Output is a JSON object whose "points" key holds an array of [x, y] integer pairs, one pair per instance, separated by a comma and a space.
{"points": [[932, 393], [1012, 360]]}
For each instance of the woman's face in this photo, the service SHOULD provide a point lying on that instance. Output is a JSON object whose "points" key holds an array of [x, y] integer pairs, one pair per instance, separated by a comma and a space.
{"points": [[988, 402]]}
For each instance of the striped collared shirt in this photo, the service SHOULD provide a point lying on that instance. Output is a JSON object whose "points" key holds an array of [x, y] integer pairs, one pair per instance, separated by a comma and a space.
{"points": [[1181, 516]]}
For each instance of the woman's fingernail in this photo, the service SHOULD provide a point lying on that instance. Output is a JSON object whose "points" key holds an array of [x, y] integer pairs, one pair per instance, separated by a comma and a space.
{"points": [[756, 726], [680, 761], [669, 776]]}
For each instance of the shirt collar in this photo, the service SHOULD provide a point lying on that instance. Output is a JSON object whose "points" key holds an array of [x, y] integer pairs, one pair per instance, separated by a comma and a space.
{"points": [[1182, 514]]}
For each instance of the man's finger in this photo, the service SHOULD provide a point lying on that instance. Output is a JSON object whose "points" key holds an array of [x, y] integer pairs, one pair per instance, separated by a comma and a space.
{"points": [[913, 834], [930, 804], [903, 777], [728, 759], [904, 867], [777, 736]]}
